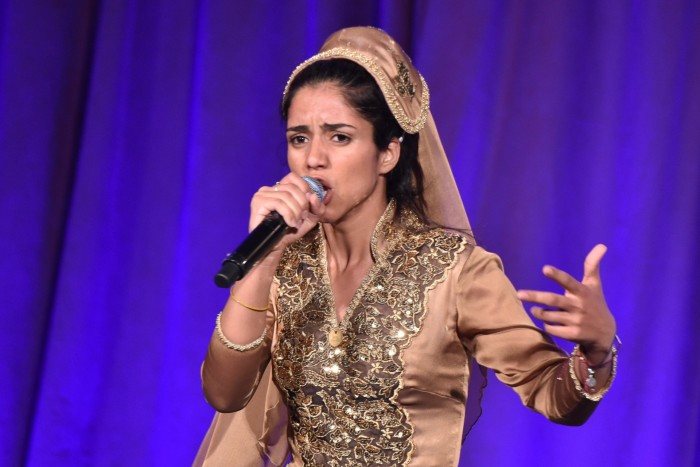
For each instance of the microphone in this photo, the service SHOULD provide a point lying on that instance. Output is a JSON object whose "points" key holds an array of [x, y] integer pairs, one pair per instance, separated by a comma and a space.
{"points": [[258, 243]]}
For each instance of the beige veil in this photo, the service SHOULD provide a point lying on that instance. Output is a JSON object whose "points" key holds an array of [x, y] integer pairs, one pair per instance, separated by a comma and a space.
{"points": [[408, 97]]}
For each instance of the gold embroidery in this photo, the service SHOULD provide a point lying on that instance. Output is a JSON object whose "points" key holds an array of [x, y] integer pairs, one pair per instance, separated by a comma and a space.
{"points": [[344, 400], [370, 64], [403, 81]]}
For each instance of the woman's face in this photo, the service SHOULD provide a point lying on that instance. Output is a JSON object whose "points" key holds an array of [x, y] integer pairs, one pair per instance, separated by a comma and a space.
{"points": [[330, 141]]}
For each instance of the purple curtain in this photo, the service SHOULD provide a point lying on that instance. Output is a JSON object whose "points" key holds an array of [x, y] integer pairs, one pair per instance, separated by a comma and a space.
{"points": [[133, 133]]}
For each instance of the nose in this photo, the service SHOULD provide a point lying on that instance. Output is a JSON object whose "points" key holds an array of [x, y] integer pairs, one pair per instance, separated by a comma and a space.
{"points": [[317, 155]]}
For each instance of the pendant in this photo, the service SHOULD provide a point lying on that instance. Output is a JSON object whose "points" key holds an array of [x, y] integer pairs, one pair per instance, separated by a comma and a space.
{"points": [[335, 336], [591, 381]]}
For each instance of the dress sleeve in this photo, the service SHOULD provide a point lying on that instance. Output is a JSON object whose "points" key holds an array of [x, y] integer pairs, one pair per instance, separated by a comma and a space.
{"points": [[496, 330], [229, 376]]}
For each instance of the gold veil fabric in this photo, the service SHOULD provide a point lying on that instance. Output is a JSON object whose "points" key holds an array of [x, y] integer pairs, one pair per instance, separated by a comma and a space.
{"points": [[256, 436]]}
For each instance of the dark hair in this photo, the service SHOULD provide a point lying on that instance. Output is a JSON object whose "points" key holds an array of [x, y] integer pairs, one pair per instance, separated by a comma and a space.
{"points": [[360, 90]]}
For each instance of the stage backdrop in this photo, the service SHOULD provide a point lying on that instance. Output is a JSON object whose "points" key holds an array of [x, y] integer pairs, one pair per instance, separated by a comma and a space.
{"points": [[133, 134]]}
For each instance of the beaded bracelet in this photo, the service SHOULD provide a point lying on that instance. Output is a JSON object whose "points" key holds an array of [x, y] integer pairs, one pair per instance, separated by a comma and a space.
{"points": [[607, 359], [591, 382], [252, 308], [241, 348]]}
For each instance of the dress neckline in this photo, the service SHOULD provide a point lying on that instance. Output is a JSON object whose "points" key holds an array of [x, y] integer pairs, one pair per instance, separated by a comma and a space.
{"points": [[383, 230]]}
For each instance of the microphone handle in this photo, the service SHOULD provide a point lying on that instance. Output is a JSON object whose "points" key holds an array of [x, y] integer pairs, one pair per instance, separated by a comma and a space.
{"points": [[257, 244]]}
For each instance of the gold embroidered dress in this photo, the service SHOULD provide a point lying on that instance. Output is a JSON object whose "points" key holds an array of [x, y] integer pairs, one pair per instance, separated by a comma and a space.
{"points": [[393, 391], [344, 395]]}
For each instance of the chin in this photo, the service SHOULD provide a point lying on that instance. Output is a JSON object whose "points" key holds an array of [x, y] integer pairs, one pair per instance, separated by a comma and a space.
{"points": [[331, 216]]}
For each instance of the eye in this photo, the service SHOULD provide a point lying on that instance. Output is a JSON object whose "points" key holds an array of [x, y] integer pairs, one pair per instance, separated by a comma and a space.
{"points": [[297, 140], [340, 138]]}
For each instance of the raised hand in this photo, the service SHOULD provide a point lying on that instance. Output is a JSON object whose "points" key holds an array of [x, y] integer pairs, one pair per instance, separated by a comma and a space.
{"points": [[580, 314]]}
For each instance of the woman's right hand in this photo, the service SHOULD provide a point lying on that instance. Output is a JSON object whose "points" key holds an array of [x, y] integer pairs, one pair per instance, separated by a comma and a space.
{"points": [[242, 321], [292, 198]]}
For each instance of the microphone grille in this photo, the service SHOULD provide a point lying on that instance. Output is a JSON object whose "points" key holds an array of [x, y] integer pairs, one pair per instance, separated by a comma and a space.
{"points": [[315, 186]]}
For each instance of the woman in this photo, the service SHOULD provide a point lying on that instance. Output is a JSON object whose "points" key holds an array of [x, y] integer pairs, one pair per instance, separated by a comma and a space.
{"points": [[351, 341]]}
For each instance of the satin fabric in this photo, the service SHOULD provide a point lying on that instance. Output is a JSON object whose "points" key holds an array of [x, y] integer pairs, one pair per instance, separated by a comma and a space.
{"points": [[474, 313]]}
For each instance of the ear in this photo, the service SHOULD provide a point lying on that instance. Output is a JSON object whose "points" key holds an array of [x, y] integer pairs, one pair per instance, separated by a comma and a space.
{"points": [[389, 157]]}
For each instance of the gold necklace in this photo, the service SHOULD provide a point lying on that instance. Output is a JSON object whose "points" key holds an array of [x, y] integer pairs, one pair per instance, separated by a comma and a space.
{"points": [[336, 334]]}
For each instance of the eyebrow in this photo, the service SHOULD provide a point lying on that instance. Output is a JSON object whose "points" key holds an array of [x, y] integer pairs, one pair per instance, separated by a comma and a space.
{"points": [[324, 127]]}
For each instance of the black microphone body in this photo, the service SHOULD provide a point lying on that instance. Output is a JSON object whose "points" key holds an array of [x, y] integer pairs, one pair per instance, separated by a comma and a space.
{"points": [[255, 246], [260, 240]]}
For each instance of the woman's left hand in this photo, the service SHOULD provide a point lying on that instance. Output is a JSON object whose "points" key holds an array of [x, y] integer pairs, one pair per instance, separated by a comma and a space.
{"points": [[581, 314]]}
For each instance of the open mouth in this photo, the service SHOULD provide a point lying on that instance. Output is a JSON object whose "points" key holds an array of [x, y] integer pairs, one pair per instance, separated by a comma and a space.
{"points": [[327, 189], [328, 193]]}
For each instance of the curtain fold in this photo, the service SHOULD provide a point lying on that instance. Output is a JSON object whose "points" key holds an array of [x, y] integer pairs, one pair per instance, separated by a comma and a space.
{"points": [[133, 134], [44, 65]]}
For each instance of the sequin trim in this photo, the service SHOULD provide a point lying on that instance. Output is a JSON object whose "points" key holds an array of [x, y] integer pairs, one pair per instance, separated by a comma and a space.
{"points": [[343, 401], [385, 84]]}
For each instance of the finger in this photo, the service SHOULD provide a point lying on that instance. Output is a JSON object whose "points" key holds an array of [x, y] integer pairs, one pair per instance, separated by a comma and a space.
{"points": [[562, 278], [282, 201], [296, 180], [591, 265], [313, 206], [545, 298], [564, 332], [264, 206], [316, 207], [295, 185], [555, 317]]}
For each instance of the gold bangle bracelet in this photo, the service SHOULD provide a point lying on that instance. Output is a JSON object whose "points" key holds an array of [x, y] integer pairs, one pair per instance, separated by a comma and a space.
{"points": [[252, 308], [240, 348]]}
